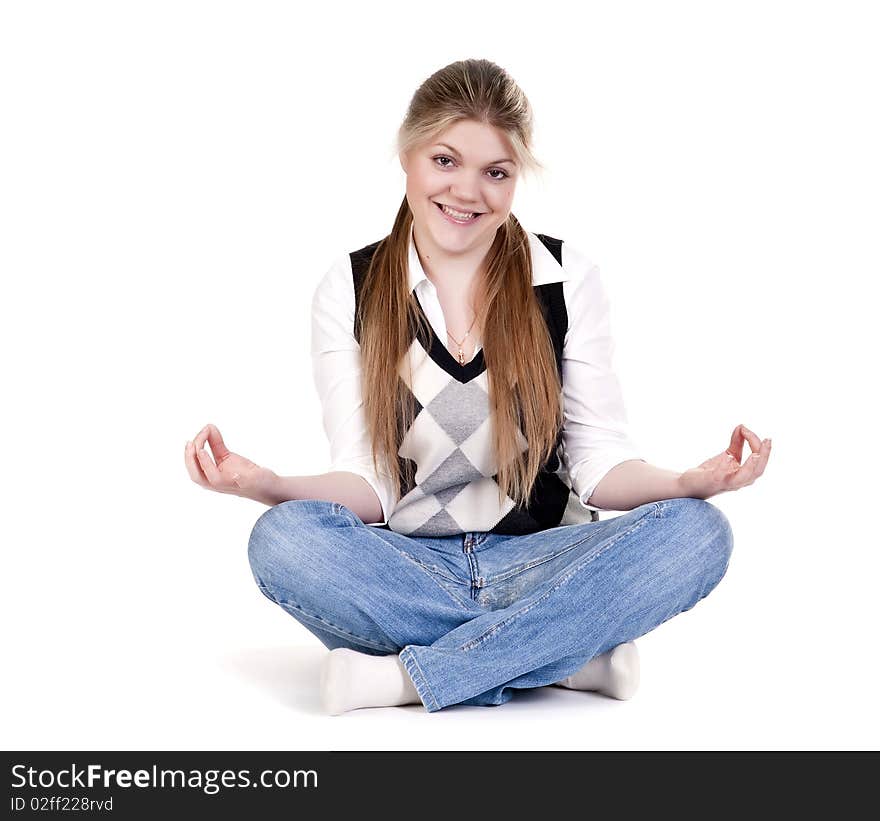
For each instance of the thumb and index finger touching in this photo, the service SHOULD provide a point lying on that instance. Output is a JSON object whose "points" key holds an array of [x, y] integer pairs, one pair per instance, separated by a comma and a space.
{"points": [[748, 473], [215, 440], [203, 460], [211, 435], [741, 434]]}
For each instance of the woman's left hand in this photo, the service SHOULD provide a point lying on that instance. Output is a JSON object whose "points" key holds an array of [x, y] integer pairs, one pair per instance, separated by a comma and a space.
{"points": [[725, 472]]}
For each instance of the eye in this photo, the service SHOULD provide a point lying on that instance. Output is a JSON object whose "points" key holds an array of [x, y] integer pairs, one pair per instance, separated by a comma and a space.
{"points": [[504, 174]]}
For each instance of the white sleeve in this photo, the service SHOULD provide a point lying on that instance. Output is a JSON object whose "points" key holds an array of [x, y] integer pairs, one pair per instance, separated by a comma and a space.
{"points": [[595, 428], [336, 370]]}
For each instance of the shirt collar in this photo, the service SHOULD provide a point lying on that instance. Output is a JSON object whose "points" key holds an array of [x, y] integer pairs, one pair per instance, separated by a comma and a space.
{"points": [[545, 268]]}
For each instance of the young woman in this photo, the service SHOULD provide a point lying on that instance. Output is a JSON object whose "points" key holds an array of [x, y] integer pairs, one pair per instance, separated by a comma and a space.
{"points": [[464, 367]]}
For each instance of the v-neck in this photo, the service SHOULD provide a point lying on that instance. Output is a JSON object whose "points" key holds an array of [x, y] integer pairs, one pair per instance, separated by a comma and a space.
{"points": [[444, 358]]}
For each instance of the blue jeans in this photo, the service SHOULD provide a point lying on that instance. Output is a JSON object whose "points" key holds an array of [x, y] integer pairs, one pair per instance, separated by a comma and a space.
{"points": [[477, 616]]}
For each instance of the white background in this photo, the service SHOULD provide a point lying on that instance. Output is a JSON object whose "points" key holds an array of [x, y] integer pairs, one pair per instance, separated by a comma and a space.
{"points": [[176, 177]]}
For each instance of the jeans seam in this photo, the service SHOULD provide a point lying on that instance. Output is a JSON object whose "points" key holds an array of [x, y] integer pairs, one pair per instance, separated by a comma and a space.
{"points": [[515, 571], [475, 642], [429, 570], [418, 677], [339, 631], [430, 567], [429, 573]]}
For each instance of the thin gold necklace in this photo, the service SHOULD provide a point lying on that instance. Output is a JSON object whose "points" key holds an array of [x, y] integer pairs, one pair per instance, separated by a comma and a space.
{"points": [[460, 351]]}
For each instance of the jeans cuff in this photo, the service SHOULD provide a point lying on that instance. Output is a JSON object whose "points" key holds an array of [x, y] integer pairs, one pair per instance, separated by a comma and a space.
{"points": [[408, 657]]}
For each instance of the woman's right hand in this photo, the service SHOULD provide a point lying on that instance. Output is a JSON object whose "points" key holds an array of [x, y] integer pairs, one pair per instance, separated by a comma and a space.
{"points": [[231, 473]]}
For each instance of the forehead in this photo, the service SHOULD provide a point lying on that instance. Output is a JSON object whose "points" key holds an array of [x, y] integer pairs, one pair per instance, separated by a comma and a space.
{"points": [[475, 141]]}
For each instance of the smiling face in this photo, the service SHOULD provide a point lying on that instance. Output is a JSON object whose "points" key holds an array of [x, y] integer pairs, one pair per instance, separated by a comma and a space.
{"points": [[470, 168]]}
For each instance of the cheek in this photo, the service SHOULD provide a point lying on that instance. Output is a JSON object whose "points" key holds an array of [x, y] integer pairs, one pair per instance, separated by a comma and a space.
{"points": [[500, 210], [418, 182], [500, 201]]}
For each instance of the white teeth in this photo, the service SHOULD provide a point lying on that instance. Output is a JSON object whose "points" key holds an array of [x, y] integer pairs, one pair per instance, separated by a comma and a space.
{"points": [[455, 214]]}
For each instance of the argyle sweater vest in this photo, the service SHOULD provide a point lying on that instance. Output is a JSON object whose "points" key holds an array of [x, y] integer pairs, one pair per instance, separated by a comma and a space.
{"points": [[455, 488]]}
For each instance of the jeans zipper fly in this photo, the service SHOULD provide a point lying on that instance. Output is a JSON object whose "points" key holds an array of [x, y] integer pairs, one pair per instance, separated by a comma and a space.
{"points": [[476, 580]]}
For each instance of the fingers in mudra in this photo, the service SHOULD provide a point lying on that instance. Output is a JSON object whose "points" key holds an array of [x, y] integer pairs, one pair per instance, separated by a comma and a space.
{"points": [[741, 473], [202, 467]]}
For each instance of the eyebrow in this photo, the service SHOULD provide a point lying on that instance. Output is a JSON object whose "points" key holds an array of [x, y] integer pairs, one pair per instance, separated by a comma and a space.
{"points": [[494, 162]]}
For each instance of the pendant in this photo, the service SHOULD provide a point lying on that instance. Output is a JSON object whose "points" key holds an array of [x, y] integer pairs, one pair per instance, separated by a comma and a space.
{"points": [[460, 356]]}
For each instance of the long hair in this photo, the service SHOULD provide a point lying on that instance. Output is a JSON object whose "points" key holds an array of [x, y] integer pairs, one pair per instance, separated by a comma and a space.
{"points": [[525, 393]]}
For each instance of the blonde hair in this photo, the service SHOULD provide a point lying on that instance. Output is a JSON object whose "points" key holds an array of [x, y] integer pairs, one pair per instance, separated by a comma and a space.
{"points": [[525, 392]]}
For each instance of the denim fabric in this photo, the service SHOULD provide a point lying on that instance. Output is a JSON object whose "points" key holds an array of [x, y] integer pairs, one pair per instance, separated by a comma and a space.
{"points": [[477, 616]]}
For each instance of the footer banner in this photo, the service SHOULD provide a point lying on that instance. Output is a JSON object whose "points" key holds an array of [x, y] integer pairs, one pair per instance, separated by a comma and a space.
{"points": [[147, 784]]}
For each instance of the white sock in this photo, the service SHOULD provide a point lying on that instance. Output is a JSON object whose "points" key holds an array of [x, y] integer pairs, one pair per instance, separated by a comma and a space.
{"points": [[350, 680], [615, 673]]}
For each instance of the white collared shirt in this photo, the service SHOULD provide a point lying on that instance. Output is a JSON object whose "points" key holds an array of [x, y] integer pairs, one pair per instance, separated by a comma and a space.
{"points": [[595, 428]]}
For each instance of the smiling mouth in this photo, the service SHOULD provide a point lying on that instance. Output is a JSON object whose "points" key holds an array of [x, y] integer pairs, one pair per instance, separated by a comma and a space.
{"points": [[475, 215]]}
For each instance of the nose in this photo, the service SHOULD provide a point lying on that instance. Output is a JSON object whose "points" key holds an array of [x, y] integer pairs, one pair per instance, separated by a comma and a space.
{"points": [[464, 190]]}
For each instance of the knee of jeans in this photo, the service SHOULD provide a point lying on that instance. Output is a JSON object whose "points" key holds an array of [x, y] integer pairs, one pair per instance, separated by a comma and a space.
{"points": [[708, 520], [277, 536]]}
